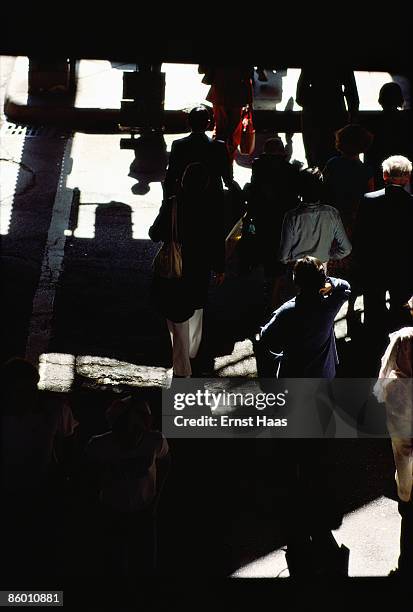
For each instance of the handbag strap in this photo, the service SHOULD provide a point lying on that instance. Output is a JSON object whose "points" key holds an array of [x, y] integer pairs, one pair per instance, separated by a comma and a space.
{"points": [[174, 220]]}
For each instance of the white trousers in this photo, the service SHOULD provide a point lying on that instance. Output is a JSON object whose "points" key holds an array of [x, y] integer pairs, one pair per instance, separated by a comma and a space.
{"points": [[185, 338]]}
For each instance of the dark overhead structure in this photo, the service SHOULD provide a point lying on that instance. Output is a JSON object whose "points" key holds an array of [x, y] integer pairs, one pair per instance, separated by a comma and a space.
{"points": [[361, 46]]}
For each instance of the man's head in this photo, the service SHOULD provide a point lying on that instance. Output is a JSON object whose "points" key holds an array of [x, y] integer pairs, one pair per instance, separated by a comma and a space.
{"points": [[397, 170], [198, 119], [391, 96], [275, 146], [311, 185], [353, 139], [309, 275]]}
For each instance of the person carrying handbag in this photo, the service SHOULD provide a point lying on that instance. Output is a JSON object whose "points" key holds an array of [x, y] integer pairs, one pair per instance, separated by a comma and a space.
{"points": [[192, 227], [230, 92]]}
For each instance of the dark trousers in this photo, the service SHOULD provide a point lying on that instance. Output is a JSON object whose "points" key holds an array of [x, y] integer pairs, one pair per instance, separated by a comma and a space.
{"points": [[376, 315], [318, 136]]}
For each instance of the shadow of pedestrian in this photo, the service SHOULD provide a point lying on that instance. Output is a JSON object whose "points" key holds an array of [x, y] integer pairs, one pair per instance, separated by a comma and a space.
{"points": [[151, 159], [103, 300]]}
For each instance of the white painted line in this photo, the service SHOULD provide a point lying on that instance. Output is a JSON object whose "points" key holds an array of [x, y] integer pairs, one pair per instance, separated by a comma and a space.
{"points": [[43, 304]]}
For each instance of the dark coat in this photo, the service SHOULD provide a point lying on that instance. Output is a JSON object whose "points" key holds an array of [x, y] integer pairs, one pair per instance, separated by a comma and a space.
{"points": [[321, 92], [382, 242], [201, 233], [198, 147], [393, 135], [301, 334], [273, 190]]}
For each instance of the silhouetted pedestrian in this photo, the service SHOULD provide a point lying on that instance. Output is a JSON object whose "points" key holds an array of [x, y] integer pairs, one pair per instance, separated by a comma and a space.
{"points": [[323, 95], [312, 228], [382, 248], [395, 388], [199, 148], [230, 92], [124, 472], [298, 342], [201, 232], [392, 130]]}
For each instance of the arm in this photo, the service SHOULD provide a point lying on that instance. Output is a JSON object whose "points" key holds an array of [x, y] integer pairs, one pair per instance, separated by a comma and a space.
{"points": [[402, 448], [225, 165], [269, 346], [303, 85], [172, 173], [163, 464], [360, 231], [340, 293], [217, 231], [66, 443], [287, 239], [289, 145], [208, 71], [161, 228], [351, 94], [341, 242]]}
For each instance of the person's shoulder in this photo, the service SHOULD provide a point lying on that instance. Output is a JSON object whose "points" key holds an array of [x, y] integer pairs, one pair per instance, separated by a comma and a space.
{"points": [[339, 282], [407, 196], [216, 145], [333, 162], [374, 195], [297, 211], [330, 211], [328, 208], [180, 142], [285, 308]]}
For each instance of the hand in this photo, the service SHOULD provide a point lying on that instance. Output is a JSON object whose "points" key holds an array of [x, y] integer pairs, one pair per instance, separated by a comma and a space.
{"points": [[326, 289], [218, 279]]}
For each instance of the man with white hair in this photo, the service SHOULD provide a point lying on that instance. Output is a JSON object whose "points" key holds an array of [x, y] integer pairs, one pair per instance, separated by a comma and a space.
{"points": [[382, 246]]}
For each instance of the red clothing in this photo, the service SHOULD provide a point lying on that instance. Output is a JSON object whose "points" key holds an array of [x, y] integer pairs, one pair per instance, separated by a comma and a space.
{"points": [[231, 90], [228, 127], [230, 86]]}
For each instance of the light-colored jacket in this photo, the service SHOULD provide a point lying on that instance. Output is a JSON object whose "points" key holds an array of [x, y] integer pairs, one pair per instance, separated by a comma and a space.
{"points": [[313, 229], [394, 387]]}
